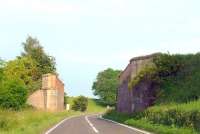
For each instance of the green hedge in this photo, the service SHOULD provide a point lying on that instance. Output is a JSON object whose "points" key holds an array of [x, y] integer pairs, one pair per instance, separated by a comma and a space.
{"points": [[177, 75], [179, 115], [144, 123], [13, 94]]}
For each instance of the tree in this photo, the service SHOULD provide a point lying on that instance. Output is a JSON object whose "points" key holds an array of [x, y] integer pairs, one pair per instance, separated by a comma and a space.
{"points": [[80, 104], [13, 94], [25, 70], [33, 49], [2, 63], [105, 86]]}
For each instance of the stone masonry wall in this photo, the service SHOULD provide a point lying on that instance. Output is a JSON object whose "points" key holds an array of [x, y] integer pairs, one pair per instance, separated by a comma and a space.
{"points": [[141, 96], [37, 99], [51, 96]]}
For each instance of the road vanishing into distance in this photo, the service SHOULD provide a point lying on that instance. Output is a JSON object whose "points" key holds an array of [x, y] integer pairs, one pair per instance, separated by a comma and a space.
{"points": [[90, 125]]}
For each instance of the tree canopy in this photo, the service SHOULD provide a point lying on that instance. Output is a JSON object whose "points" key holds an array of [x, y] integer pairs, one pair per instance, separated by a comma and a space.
{"points": [[25, 70], [22, 76], [2, 63], [44, 62], [105, 86]]}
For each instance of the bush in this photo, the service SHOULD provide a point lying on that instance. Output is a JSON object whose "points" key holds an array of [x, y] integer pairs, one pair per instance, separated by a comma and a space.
{"points": [[13, 94], [177, 76], [143, 122], [80, 104], [182, 115], [2, 63]]}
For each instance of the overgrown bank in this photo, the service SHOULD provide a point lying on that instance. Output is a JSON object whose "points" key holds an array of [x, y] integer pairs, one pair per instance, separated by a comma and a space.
{"points": [[176, 109], [164, 119]]}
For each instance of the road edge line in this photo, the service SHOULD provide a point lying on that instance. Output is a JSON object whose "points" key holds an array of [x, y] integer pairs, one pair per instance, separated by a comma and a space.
{"points": [[59, 123], [130, 127]]}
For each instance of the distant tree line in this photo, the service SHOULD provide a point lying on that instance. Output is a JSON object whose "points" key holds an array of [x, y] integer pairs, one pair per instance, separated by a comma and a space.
{"points": [[22, 76]]}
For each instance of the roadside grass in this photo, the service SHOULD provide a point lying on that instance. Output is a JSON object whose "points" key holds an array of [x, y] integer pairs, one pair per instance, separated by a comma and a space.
{"points": [[164, 119], [144, 124], [32, 121], [95, 107]]}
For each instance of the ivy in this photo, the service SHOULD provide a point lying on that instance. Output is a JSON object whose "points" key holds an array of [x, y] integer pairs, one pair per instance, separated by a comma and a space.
{"points": [[163, 65], [148, 72]]}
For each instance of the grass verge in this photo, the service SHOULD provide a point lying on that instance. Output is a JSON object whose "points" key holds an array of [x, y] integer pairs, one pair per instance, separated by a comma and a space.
{"points": [[163, 119], [29, 121]]}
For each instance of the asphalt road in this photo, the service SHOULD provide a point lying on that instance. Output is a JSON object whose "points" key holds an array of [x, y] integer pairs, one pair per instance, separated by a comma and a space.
{"points": [[90, 125]]}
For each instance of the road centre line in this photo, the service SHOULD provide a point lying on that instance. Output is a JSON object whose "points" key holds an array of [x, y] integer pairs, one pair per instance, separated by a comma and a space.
{"points": [[54, 127], [91, 125]]}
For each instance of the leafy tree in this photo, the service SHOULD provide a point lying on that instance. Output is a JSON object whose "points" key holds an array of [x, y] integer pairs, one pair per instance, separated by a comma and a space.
{"points": [[105, 86], [2, 63], [33, 49], [22, 76], [80, 104], [13, 94], [24, 69]]}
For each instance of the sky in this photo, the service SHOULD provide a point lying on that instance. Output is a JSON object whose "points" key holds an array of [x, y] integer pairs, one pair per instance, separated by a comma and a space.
{"points": [[88, 36]]}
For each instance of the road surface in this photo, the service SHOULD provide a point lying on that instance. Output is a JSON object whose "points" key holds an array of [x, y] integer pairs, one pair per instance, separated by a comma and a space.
{"points": [[90, 125]]}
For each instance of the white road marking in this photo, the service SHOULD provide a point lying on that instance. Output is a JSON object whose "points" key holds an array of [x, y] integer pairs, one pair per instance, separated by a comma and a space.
{"points": [[135, 129], [50, 130], [92, 126]]}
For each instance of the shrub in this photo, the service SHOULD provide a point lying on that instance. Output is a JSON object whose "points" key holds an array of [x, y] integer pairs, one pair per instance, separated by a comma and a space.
{"points": [[148, 73], [182, 115], [169, 65], [141, 121], [13, 94], [2, 63], [177, 76], [80, 104]]}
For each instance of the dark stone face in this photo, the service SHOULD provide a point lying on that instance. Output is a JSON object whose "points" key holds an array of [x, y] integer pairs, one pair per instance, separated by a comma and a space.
{"points": [[144, 95], [124, 98], [136, 99], [139, 97]]}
